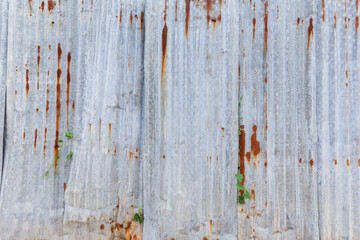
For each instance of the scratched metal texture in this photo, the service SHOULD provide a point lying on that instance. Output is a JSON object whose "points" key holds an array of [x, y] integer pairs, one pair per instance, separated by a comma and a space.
{"points": [[150, 90]]}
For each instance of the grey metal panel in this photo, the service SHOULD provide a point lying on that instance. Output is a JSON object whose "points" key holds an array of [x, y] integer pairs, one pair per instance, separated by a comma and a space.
{"points": [[191, 116]]}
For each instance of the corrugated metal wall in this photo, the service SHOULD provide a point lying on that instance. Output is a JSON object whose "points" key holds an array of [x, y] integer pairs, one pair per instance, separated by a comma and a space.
{"points": [[150, 90]]}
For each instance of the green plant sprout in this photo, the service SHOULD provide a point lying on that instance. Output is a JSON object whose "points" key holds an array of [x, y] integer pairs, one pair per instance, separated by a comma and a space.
{"points": [[60, 147], [139, 216]]}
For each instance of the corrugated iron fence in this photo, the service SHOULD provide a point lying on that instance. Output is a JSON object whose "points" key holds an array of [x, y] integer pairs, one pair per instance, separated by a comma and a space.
{"points": [[150, 90]]}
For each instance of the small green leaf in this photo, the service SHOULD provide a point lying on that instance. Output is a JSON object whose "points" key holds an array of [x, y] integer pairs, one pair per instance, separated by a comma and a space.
{"points": [[69, 155], [239, 133], [57, 157], [241, 199], [239, 177], [60, 148], [247, 195], [238, 186], [59, 141], [69, 134]]}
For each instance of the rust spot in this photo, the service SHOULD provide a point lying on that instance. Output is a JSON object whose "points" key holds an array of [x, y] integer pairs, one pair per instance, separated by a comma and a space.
{"points": [[45, 141], [277, 11], [141, 20], [35, 139], [323, 9], [259, 214], [73, 106], [58, 108], [266, 204], [131, 19], [254, 23], [253, 194], [335, 162], [222, 129], [335, 20], [115, 151], [298, 22], [357, 23], [30, 7], [208, 10], [265, 26], [211, 226], [205, 238], [176, 11], [68, 79], [348, 163], [311, 162], [346, 75], [300, 160], [112, 228], [42, 6], [310, 31], [51, 5], [219, 18], [242, 152], [345, 22], [38, 67], [248, 157], [164, 44], [187, 17], [64, 186], [163, 156], [359, 162], [102, 227], [27, 84], [165, 10], [120, 14], [255, 144], [15, 92], [47, 108]]}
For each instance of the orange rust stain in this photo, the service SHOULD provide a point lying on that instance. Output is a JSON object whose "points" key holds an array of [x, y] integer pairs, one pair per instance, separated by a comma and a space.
{"points": [[165, 10], [142, 20], [345, 19], [335, 162], [255, 144], [51, 5], [131, 156], [242, 152], [37, 110], [335, 20], [164, 45], [64, 186], [208, 10], [222, 129], [310, 31], [102, 227], [311, 162], [15, 92], [211, 226], [265, 24], [205, 238], [27, 84], [115, 151], [131, 19], [298, 22], [120, 14], [248, 157], [42, 6], [277, 11], [265, 204], [35, 139], [176, 6], [163, 156], [45, 141], [259, 214], [300, 160], [359, 162], [357, 23], [357, 5], [68, 79], [254, 23], [323, 9], [58, 108], [30, 7], [38, 67], [219, 18], [47, 108], [73, 106], [348, 163], [253, 194], [187, 17]]}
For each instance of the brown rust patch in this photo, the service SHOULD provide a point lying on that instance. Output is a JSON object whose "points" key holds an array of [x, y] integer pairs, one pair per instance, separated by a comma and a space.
{"points": [[205, 238], [359, 162], [58, 108], [47, 108], [255, 144], [15, 92], [357, 23], [265, 26], [176, 6], [253, 194], [208, 10], [141, 20], [42, 6], [254, 23], [163, 156], [30, 7], [131, 19], [242, 152], [64, 186], [68, 79], [73, 106], [348, 163], [323, 9], [248, 157], [335, 162], [211, 223], [222, 130], [51, 5], [311, 162], [45, 142], [120, 18], [335, 20], [300, 160], [345, 19], [164, 46], [310, 31], [35, 140], [38, 67], [187, 17], [298, 22], [115, 151], [102, 227], [27, 84]]}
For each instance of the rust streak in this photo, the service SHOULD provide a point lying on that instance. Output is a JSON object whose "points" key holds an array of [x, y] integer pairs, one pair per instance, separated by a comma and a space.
{"points": [[359, 162], [311, 162], [120, 14], [255, 144], [38, 67], [335, 20], [58, 108], [27, 83], [42, 6], [68, 79], [45, 141], [35, 140], [310, 31], [219, 18], [265, 26], [131, 19], [164, 45], [323, 9], [211, 223], [348, 163], [30, 7], [335, 162], [248, 157], [254, 23], [51, 5], [187, 17], [208, 10], [300, 160], [64, 186], [357, 23], [141, 20], [176, 6], [24, 135], [242, 152], [298, 22]]}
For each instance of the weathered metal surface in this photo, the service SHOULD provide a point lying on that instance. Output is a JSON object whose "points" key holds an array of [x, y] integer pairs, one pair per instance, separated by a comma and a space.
{"points": [[150, 90]]}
